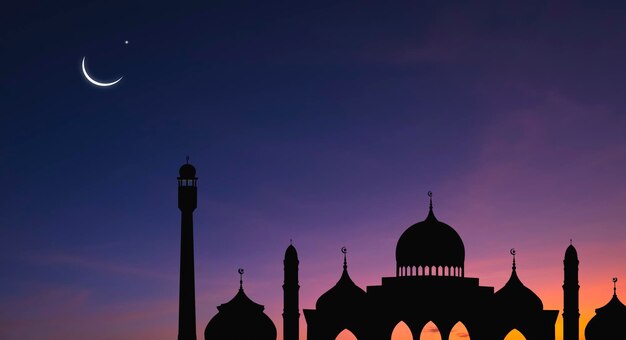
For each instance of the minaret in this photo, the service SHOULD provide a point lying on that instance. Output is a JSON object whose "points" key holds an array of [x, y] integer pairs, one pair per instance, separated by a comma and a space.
{"points": [[187, 202], [291, 311], [571, 315]]}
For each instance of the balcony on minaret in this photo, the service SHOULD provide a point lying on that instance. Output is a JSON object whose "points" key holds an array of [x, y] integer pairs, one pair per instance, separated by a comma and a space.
{"points": [[187, 191]]}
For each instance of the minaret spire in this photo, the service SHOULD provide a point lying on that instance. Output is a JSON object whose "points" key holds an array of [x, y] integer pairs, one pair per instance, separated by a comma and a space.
{"points": [[571, 314], [187, 203], [291, 288]]}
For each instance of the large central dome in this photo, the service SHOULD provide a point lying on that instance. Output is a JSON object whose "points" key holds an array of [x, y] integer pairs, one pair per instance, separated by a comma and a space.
{"points": [[430, 248]]}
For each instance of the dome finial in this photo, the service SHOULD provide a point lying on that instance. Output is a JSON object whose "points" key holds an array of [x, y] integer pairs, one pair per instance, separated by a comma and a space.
{"points": [[345, 261], [614, 286], [240, 271], [187, 159], [513, 252], [430, 198]]}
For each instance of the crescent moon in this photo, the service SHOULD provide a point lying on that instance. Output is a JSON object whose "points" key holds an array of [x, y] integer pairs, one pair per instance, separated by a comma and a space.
{"points": [[95, 82], [344, 250], [240, 271], [614, 279], [512, 251]]}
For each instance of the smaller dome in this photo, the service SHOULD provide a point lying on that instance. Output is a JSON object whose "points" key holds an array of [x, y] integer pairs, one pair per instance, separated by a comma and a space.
{"points": [[240, 319], [187, 171], [608, 321], [344, 295], [571, 253], [515, 296]]}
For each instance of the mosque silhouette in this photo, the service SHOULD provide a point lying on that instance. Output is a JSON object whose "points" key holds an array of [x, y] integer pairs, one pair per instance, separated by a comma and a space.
{"points": [[430, 286]]}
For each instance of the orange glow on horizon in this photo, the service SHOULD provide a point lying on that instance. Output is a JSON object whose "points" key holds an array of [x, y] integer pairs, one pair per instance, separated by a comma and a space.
{"points": [[346, 335], [515, 335], [401, 332]]}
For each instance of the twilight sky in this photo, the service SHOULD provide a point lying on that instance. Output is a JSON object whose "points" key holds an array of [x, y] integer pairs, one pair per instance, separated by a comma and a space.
{"points": [[325, 123]]}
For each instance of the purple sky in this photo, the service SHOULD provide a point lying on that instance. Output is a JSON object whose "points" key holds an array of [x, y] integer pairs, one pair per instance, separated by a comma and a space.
{"points": [[323, 123]]}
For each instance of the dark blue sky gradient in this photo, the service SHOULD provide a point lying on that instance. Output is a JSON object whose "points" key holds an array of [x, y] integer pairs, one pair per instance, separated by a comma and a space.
{"points": [[324, 122]]}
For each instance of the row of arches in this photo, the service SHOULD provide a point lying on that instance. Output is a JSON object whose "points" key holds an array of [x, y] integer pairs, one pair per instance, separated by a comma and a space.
{"points": [[430, 332], [429, 271]]}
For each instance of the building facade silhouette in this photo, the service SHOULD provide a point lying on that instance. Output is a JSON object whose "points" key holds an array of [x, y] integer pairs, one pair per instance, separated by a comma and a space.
{"points": [[430, 286]]}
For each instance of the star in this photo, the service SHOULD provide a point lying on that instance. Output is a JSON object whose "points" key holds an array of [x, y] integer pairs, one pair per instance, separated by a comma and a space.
{"points": [[126, 42]]}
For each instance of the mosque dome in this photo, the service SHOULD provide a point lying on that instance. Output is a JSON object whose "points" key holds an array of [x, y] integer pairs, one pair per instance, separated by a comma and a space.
{"points": [[517, 297], [609, 320], [430, 243], [187, 171], [344, 295], [240, 319]]}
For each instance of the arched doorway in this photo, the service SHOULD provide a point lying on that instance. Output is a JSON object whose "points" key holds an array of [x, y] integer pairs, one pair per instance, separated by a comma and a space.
{"points": [[430, 332], [346, 335], [515, 335], [459, 332], [401, 332]]}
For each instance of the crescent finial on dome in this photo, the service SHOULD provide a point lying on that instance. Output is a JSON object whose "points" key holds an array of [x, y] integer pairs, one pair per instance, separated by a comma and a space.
{"points": [[430, 198], [240, 271], [513, 252]]}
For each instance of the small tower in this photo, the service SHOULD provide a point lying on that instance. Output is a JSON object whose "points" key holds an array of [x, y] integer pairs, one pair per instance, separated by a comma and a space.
{"points": [[187, 202], [571, 314], [291, 311]]}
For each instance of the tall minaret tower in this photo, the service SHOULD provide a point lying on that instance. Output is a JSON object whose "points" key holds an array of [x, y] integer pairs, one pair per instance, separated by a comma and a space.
{"points": [[187, 202], [291, 311], [571, 315]]}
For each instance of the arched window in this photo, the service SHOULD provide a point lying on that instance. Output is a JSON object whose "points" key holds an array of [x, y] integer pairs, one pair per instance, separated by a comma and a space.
{"points": [[430, 332], [346, 335], [515, 335], [420, 271], [401, 332], [459, 332]]}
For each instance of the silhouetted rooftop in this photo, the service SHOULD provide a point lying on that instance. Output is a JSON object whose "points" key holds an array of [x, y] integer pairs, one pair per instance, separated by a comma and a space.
{"points": [[516, 297], [240, 319], [608, 322]]}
